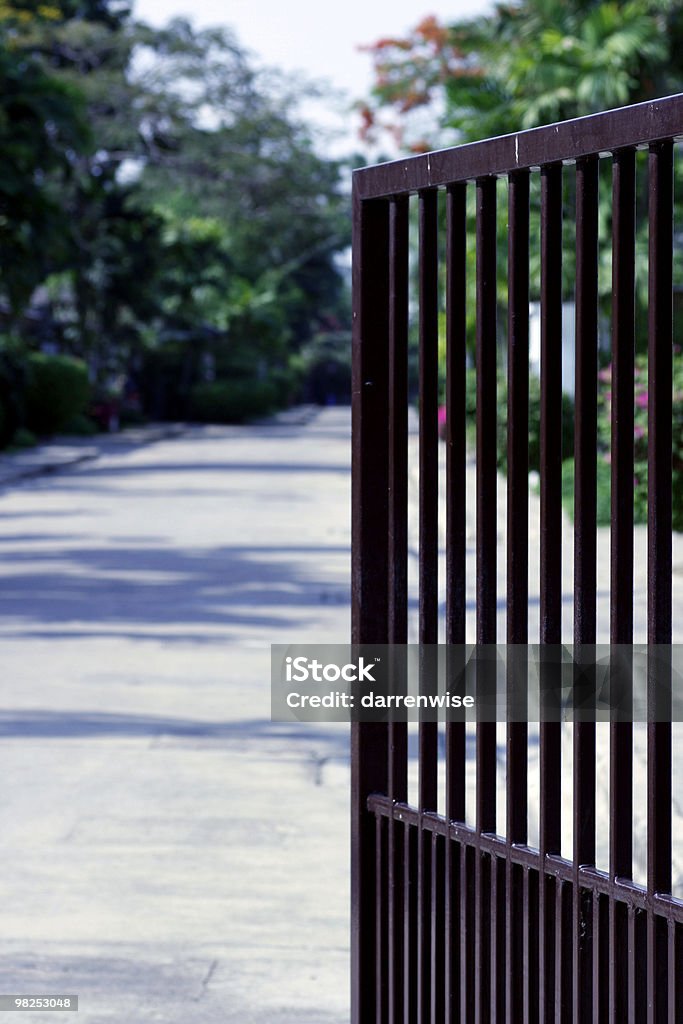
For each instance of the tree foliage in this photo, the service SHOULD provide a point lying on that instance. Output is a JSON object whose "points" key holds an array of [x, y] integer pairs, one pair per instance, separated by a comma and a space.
{"points": [[526, 63], [157, 190]]}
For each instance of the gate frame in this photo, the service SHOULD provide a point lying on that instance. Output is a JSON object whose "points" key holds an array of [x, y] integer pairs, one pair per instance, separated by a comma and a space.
{"points": [[379, 494]]}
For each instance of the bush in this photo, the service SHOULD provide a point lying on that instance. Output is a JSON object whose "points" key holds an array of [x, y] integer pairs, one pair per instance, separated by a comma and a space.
{"points": [[534, 420], [22, 438], [603, 473], [640, 474], [13, 379], [57, 390], [80, 426], [232, 401]]}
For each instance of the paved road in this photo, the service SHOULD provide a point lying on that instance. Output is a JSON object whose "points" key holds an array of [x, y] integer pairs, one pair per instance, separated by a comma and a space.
{"points": [[167, 852]]}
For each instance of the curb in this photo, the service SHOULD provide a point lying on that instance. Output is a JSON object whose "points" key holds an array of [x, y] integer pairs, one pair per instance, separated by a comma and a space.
{"points": [[64, 453]]}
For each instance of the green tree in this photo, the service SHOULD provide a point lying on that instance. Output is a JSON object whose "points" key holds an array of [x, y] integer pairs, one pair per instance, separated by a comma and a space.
{"points": [[42, 128], [526, 63], [198, 211]]}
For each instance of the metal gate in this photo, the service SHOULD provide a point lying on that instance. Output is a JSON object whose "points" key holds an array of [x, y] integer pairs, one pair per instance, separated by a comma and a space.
{"points": [[454, 921]]}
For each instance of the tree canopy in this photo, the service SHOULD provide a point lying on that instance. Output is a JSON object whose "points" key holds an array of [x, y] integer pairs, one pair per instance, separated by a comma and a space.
{"points": [[158, 191], [526, 63]]}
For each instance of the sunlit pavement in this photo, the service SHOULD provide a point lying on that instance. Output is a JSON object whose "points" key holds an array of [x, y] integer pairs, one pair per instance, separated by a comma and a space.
{"points": [[167, 853]]}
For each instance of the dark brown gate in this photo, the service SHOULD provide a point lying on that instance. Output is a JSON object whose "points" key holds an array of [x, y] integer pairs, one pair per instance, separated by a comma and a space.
{"points": [[454, 921]]}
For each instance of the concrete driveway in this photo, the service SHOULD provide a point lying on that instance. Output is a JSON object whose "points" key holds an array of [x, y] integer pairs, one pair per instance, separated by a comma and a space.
{"points": [[167, 853]]}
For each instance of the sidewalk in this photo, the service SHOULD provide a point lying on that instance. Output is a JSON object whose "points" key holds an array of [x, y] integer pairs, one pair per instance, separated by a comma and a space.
{"points": [[65, 452], [168, 853]]}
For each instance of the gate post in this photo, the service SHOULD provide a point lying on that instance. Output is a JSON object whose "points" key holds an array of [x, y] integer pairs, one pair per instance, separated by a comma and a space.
{"points": [[369, 571]]}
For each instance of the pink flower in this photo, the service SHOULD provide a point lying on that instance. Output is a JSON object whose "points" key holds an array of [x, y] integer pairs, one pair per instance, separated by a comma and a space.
{"points": [[442, 415], [605, 374], [638, 432], [641, 400]]}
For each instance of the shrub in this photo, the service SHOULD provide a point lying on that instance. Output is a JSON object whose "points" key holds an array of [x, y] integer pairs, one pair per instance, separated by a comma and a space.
{"points": [[22, 438], [13, 378], [232, 401], [534, 420], [603, 509], [80, 426], [534, 425], [640, 474], [57, 390]]}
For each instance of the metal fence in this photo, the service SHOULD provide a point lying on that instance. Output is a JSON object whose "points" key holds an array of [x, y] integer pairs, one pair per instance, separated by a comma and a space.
{"points": [[453, 921]]}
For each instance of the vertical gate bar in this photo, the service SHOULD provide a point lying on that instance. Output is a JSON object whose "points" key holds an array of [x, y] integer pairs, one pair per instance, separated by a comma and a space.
{"points": [[486, 567], [671, 968], [429, 437], [563, 952], [597, 1009], [551, 406], [621, 557], [518, 424], [586, 400], [456, 362], [631, 971], [531, 946], [468, 913], [381, 940], [517, 575], [368, 568], [550, 823], [428, 567], [411, 924], [398, 571], [398, 420], [676, 998], [499, 923], [438, 1004], [585, 448], [456, 365], [601, 958], [486, 412], [660, 344], [638, 1009], [497, 987], [623, 354], [660, 369]]}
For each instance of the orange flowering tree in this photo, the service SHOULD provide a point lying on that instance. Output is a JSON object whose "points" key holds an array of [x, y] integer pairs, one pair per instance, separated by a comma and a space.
{"points": [[523, 64]]}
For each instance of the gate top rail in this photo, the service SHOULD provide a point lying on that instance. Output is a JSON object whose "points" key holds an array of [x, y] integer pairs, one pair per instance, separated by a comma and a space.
{"points": [[564, 142]]}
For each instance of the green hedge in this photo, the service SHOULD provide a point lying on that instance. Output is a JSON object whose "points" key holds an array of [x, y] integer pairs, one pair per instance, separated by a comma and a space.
{"points": [[232, 401], [57, 390]]}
